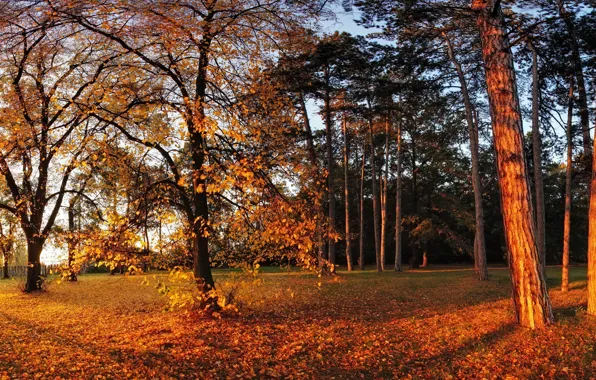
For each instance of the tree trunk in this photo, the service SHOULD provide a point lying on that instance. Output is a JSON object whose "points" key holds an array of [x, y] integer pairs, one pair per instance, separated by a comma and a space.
{"points": [[384, 178], [530, 295], [312, 156], [197, 128], [361, 222], [398, 266], [479, 241], [347, 194], [537, 160], [5, 266], [330, 181], [34, 280], [578, 69], [424, 259], [72, 276], [375, 197], [415, 259], [592, 240], [568, 171]]}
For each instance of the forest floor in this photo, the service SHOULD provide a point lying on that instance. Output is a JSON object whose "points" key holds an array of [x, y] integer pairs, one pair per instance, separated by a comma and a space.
{"points": [[431, 324]]}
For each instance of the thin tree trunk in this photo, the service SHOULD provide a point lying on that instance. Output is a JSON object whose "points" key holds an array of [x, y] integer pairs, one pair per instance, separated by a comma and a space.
{"points": [[479, 241], [312, 156], [568, 171], [530, 295], [361, 222], [415, 252], [347, 194], [582, 98], [537, 160], [384, 197], [330, 181], [397, 265], [72, 241], [375, 197]]}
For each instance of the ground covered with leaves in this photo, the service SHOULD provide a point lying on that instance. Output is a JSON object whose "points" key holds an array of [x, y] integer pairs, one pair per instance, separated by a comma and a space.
{"points": [[418, 324]]}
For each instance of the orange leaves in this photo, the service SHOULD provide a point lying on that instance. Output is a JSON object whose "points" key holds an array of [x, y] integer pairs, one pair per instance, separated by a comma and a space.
{"points": [[409, 325]]}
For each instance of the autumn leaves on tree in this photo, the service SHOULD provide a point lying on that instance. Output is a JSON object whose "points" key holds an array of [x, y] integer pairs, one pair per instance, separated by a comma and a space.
{"points": [[236, 133]]}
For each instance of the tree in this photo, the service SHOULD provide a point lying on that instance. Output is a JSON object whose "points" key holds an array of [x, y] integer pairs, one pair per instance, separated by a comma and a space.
{"points": [[47, 69], [479, 243], [530, 296], [568, 194], [197, 86], [7, 240]]}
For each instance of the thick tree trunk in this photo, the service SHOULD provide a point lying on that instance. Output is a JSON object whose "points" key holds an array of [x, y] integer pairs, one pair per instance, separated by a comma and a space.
{"points": [[568, 172], [330, 181], [537, 161], [384, 178], [530, 295], [375, 197], [347, 194], [5, 266], [361, 221], [592, 240], [582, 98], [34, 280], [397, 265], [479, 241]]}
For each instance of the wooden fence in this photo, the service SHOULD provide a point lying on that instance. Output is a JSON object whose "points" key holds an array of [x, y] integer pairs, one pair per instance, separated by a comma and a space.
{"points": [[21, 270]]}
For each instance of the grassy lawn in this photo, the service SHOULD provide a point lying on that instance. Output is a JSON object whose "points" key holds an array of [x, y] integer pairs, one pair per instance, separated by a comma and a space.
{"points": [[423, 324]]}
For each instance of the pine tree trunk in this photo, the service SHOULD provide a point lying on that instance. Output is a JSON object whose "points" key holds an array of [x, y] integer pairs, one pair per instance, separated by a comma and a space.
{"points": [[375, 197], [530, 295], [384, 178], [415, 253], [479, 241], [592, 241], [568, 170], [537, 160], [397, 265], [582, 98], [361, 222], [330, 181], [312, 156], [347, 194]]}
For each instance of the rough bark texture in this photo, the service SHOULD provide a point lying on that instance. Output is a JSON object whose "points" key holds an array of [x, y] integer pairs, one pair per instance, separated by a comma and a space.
{"points": [[479, 241], [592, 241], [375, 197], [530, 296], [347, 194], [568, 172], [361, 221], [397, 265], [34, 280], [537, 161]]}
